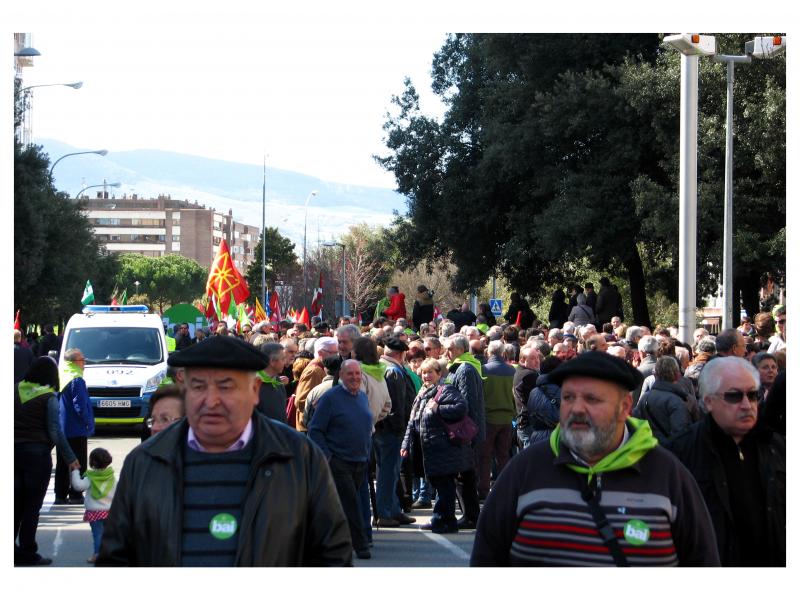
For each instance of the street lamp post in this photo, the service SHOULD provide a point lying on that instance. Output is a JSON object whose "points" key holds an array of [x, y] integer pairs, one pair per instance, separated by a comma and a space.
{"points": [[88, 187], [60, 158], [136, 283], [305, 227], [75, 86], [761, 47], [691, 48], [344, 276]]}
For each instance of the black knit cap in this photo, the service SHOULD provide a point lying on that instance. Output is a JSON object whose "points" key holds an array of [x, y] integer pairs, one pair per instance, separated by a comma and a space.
{"points": [[220, 352], [599, 365]]}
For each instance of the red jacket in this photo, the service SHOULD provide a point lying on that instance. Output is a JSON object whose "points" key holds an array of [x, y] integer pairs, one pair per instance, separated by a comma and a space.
{"points": [[397, 308]]}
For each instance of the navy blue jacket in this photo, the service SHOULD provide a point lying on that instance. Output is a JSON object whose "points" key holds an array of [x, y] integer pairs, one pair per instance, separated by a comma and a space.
{"points": [[342, 425], [544, 405], [439, 456], [75, 413]]}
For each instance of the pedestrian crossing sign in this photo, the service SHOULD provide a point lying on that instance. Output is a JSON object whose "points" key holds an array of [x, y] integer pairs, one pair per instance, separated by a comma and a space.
{"points": [[496, 306]]}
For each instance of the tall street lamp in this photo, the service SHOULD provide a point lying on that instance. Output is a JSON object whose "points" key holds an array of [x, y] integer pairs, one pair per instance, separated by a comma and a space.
{"points": [[760, 47], [136, 283], [53, 166], [305, 226], [102, 185], [691, 47], [344, 278]]}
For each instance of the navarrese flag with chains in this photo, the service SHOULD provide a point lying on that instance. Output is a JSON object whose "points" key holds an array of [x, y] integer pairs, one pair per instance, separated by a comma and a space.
{"points": [[225, 281]]}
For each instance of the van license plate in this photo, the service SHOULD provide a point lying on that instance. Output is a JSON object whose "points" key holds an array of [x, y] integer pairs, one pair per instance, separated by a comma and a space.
{"points": [[114, 403]]}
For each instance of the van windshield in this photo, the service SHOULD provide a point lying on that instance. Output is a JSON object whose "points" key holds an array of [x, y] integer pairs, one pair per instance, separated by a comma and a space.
{"points": [[118, 345]]}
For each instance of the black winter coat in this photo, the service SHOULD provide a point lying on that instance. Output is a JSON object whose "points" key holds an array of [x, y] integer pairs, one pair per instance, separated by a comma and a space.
{"points": [[401, 391], [696, 450], [291, 515], [664, 407], [544, 405], [439, 456]]}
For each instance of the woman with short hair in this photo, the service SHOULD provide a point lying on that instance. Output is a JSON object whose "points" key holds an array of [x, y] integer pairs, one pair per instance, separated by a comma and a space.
{"points": [[426, 438]]}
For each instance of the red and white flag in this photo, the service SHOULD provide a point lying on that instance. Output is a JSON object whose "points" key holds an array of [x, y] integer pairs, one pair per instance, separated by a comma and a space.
{"points": [[316, 302]]}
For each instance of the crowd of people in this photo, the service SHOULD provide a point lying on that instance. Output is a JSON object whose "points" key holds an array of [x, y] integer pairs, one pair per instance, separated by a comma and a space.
{"points": [[580, 441]]}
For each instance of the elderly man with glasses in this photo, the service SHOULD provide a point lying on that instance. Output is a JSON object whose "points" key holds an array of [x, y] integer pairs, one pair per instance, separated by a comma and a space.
{"points": [[740, 466]]}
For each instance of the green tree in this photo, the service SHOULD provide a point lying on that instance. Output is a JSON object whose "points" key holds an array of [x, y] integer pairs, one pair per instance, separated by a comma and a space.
{"points": [[557, 149], [281, 262], [55, 250], [166, 280]]}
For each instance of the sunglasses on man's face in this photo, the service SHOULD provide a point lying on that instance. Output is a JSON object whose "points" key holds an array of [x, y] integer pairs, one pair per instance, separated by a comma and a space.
{"points": [[735, 397]]}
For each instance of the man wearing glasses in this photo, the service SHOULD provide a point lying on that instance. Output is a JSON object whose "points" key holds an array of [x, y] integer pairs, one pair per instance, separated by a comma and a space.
{"points": [[740, 466], [433, 347]]}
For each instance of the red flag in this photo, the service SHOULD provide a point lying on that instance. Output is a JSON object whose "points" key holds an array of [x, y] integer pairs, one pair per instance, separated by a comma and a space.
{"points": [[437, 314], [114, 301], [304, 318], [225, 280], [316, 301], [519, 318], [274, 307], [17, 324]]}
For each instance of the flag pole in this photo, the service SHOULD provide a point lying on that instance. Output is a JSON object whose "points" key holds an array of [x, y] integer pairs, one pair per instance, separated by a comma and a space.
{"points": [[264, 238]]}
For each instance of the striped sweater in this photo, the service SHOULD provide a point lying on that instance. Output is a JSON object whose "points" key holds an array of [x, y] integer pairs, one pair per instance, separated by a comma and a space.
{"points": [[536, 516]]}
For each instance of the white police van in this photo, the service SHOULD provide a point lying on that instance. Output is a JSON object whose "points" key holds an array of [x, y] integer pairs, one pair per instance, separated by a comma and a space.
{"points": [[126, 358]]}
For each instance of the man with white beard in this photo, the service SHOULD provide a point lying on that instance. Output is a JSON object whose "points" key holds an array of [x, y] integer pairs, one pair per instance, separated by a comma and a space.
{"points": [[600, 491]]}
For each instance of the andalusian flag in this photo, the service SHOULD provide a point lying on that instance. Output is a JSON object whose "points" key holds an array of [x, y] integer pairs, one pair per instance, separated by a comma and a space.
{"points": [[88, 294], [124, 298], [224, 280]]}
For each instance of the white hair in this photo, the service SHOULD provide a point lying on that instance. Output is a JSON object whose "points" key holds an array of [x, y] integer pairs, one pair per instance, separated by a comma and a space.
{"points": [[714, 372], [648, 344], [569, 327], [458, 341], [328, 344], [617, 351], [496, 348]]}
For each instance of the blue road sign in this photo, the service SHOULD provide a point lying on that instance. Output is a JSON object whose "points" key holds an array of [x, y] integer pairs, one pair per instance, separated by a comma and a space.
{"points": [[496, 306]]}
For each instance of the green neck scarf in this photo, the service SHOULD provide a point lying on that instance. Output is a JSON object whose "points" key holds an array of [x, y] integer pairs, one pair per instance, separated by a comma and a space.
{"points": [[166, 381], [101, 480], [375, 371], [639, 443], [270, 380], [470, 360], [29, 391], [68, 373], [482, 327]]}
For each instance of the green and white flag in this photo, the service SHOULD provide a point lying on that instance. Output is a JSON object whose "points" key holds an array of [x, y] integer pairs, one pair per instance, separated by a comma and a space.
{"points": [[88, 293]]}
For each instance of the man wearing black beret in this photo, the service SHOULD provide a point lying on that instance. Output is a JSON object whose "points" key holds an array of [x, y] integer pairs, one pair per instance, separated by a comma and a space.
{"points": [[600, 491], [225, 486]]}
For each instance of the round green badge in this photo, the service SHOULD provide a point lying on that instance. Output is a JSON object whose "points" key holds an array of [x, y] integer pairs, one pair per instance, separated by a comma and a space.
{"points": [[222, 526], [636, 532]]}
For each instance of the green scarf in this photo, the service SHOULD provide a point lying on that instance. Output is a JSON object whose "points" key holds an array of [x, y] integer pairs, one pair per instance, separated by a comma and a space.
{"points": [[375, 371], [101, 480], [166, 381], [267, 379], [415, 378], [631, 452], [470, 360], [482, 327], [29, 391], [68, 373]]}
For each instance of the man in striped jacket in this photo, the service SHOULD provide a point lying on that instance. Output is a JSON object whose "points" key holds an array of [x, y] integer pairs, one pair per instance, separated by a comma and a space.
{"points": [[600, 491]]}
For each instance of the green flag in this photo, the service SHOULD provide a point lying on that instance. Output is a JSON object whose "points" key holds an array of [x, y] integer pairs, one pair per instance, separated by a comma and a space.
{"points": [[233, 310], [124, 298], [88, 293]]}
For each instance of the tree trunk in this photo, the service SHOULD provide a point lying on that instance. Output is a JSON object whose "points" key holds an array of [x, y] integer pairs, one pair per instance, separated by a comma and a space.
{"points": [[633, 265], [748, 285]]}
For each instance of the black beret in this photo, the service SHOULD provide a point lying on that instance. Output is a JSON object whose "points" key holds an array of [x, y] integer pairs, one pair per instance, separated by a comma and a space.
{"points": [[220, 352], [599, 365], [395, 344]]}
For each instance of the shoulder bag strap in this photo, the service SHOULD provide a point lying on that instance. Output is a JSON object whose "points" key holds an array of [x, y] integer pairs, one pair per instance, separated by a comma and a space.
{"points": [[592, 498]]}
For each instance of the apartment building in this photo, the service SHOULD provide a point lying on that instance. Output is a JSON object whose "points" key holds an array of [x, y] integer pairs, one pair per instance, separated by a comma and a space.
{"points": [[160, 226]]}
